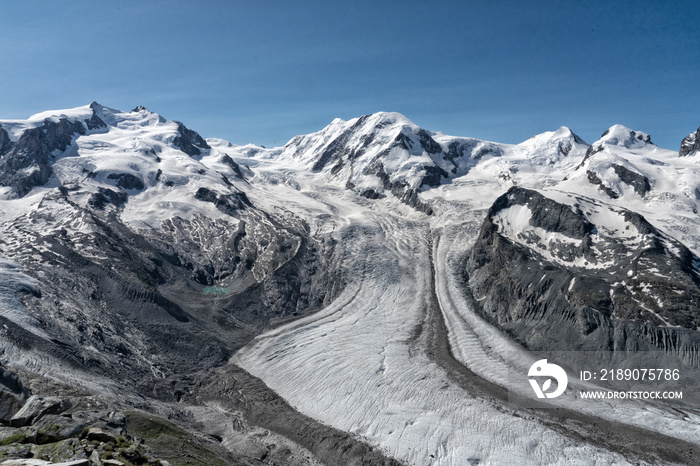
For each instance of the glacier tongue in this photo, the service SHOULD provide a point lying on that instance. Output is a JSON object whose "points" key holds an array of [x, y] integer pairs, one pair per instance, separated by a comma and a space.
{"points": [[358, 364]]}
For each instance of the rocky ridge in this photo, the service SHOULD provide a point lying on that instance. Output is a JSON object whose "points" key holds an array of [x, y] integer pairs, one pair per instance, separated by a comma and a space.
{"points": [[690, 145], [559, 272]]}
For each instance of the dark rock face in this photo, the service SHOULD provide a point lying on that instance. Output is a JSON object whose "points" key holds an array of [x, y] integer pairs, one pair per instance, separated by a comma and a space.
{"points": [[593, 149], [433, 176], [595, 179], [107, 196], [5, 142], [372, 194], [234, 166], [95, 122], [127, 180], [337, 150], [13, 394], [189, 142], [455, 151], [400, 190], [640, 183], [690, 144], [487, 149], [27, 162], [226, 203], [37, 407], [428, 143], [643, 296], [546, 213]]}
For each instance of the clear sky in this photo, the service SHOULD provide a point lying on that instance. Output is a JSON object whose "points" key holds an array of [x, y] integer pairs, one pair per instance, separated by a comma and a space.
{"points": [[263, 72]]}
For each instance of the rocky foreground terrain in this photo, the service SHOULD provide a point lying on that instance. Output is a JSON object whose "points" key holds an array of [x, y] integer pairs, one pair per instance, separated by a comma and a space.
{"points": [[353, 297]]}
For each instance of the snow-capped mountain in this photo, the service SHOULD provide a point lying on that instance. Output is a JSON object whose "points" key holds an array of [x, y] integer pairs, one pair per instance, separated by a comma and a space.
{"points": [[348, 298], [387, 154]]}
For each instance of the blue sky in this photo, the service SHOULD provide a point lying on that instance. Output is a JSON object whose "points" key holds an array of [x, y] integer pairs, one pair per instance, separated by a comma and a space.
{"points": [[263, 72]]}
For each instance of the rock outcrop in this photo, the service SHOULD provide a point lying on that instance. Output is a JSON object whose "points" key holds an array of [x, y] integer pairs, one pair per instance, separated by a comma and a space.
{"points": [[580, 275], [690, 144]]}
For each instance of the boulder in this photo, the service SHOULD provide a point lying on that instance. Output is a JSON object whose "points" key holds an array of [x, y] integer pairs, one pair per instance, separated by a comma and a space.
{"points": [[95, 433], [112, 463], [36, 407], [53, 428]]}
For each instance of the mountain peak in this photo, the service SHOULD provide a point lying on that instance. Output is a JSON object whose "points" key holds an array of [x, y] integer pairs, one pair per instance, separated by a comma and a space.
{"points": [[560, 134], [565, 132], [690, 145], [389, 118], [620, 135], [552, 145], [82, 112]]}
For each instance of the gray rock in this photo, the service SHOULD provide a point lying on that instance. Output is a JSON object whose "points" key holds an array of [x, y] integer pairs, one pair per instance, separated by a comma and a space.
{"points": [[95, 459], [5, 142], [399, 189], [234, 166], [105, 196], [690, 144], [640, 183], [595, 179], [27, 162], [112, 462], [26, 462], [53, 428], [188, 141], [113, 422], [95, 433], [13, 394], [226, 203], [433, 176], [95, 122], [127, 180], [546, 213], [36, 407]]}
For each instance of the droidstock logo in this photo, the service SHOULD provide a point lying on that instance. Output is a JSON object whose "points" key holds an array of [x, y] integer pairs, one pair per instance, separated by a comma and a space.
{"points": [[542, 368]]}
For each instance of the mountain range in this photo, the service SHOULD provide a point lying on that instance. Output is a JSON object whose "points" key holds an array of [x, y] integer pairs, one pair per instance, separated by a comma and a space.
{"points": [[356, 296]]}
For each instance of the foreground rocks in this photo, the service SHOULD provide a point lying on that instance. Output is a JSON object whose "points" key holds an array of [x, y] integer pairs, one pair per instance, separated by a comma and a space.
{"points": [[90, 437], [213, 417]]}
